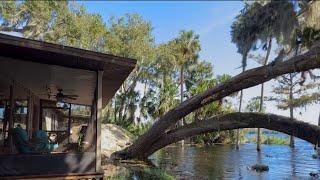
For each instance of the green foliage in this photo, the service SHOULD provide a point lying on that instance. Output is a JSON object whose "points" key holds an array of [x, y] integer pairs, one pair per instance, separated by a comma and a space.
{"points": [[301, 95], [202, 80], [242, 32], [143, 173], [138, 130], [159, 71], [306, 99], [154, 173], [254, 105], [206, 139], [130, 36], [260, 22], [223, 137], [32, 18], [54, 21], [272, 140], [308, 36], [276, 19], [187, 47]]}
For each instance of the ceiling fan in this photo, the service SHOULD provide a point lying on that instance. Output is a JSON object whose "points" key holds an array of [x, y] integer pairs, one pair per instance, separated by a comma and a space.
{"points": [[60, 96]]}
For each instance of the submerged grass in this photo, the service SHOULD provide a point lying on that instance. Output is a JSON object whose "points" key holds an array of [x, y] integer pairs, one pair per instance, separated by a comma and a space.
{"points": [[315, 156], [260, 167]]}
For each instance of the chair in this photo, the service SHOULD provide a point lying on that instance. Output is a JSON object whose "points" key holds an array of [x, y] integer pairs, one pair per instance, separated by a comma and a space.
{"points": [[20, 138], [40, 142]]}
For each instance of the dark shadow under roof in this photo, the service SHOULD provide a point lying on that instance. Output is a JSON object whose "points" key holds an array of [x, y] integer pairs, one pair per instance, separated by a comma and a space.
{"points": [[115, 69]]}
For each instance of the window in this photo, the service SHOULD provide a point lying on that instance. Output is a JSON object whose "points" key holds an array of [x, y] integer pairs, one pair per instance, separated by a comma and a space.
{"points": [[55, 119]]}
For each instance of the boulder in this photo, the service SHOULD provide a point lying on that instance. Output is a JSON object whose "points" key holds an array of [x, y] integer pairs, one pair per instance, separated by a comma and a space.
{"points": [[114, 138]]}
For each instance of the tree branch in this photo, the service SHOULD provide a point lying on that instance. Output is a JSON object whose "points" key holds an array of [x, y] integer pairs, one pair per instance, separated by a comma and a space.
{"points": [[300, 129], [249, 78]]}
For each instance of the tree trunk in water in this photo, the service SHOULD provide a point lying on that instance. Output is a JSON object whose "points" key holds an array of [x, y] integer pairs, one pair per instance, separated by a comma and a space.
{"points": [[181, 97], [262, 94], [249, 78], [283, 124], [260, 110], [238, 130], [291, 108], [319, 125], [240, 103]]}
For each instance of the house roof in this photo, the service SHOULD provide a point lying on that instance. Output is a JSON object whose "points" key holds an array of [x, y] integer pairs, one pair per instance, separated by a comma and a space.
{"points": [[116, 69], [49, 53]]}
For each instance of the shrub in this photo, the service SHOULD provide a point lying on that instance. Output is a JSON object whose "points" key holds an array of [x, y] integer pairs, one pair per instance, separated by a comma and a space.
{"points": [[272, 140]]}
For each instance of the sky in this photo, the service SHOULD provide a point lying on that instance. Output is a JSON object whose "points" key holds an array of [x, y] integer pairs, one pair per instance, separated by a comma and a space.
{"points": [[212, 21]]}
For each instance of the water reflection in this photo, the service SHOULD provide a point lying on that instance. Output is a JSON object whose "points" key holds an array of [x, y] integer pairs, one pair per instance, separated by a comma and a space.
{"points": [[224, 162]]}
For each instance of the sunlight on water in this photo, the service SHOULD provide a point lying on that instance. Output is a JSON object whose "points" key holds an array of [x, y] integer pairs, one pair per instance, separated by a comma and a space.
{"points": [[224, 162]]}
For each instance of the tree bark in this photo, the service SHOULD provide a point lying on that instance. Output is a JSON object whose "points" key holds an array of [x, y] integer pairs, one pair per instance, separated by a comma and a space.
{"points": [[238, 130], [240, 102], [291, 141], [249, 78], [300, 129], [262, 94], [291, 108]]}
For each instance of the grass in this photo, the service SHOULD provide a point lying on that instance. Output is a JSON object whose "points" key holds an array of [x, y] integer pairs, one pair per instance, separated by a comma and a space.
{"points": [[272, 140], [144, 173], [155, 173]]}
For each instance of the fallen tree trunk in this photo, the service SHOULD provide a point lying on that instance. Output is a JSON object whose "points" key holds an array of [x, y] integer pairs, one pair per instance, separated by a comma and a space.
{"points": [[300, 129], [249, 78]]}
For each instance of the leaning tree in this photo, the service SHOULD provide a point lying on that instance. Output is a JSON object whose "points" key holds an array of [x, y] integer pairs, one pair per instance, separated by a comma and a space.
{"points": [[249, 78]]}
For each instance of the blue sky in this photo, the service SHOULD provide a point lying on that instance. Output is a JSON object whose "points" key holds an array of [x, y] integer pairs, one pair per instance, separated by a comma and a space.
{"points": [[212, 21]]}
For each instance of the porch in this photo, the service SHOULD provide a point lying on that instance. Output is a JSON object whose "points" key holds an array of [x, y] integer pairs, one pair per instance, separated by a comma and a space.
{"points": [[58, 90]]}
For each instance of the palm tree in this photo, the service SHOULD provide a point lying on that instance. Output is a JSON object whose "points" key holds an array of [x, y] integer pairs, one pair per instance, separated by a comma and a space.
{"points": [[165, 67], [242, 35], [276, 19], [188, 46], [262, 21]]}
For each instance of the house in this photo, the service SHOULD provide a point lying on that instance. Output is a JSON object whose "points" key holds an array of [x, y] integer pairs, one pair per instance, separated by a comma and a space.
{"points": [[40, 84]]}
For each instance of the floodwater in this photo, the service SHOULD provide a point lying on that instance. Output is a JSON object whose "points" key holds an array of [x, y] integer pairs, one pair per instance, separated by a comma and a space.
{"points": [[225, 162]]}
